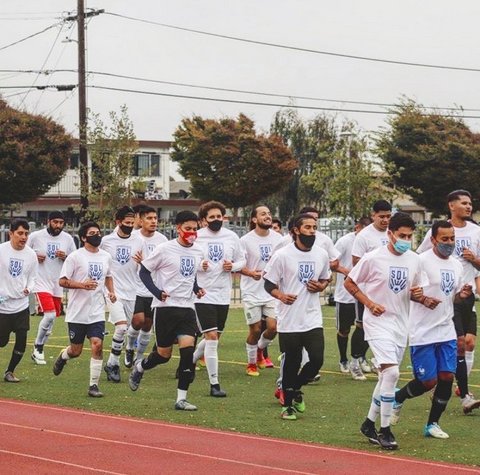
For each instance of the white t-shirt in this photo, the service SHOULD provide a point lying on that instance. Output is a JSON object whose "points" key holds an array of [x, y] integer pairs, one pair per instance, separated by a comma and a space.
{"points": [[49, 270], [258, 250], [18, 271], [86, 306], [344, 247], [174, 267], [321, 240], [445, 280], [218, 247], [368, 239], [386, 279], [150, 243], [466, 237], [290, 269], [124, 268]]}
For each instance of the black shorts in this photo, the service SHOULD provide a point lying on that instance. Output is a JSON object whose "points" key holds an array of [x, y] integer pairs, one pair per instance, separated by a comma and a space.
{"points": [[144, 305], [12, 322], [171, 322], [211, 317], [359, 308], [78, 331], [313, 341], [465, 317], [345, 315]]}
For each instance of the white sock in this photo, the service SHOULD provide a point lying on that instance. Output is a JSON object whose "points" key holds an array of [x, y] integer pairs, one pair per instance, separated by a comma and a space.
{"points": [[181, 394], [199, 350], [390, 377], [132, 335], [211, 360], [95, 371], [263, 342], [65, 355], [139, 366], [251, 353], [117, 342], [469, 357], [44, 327], [374, 410], [143, 342], [305, 358]]}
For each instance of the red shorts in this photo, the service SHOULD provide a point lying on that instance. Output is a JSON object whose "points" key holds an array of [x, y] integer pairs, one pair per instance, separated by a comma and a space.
{"points": [[48, 303]]}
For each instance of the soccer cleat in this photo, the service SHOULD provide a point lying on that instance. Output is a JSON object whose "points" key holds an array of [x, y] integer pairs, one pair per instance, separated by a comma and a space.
{"points": [[93, 391], [38, 357], [129, 357], [201, 363], [261, 363], [344, 367], [184, 405], [469, 404], [356, 371], [280, 396], [216, 391], [395, 417], [369, 431], [269, 363], [387, 440], [366, 368], [299, 402], [9, 377], [134, 379], [113, 373], [59, 364], [288, 413], [433, 430], [252, 370], [315, 379]]}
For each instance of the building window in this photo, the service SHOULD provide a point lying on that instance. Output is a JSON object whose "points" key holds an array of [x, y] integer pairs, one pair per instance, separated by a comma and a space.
{"points": [[74, 161], [146, 164]]}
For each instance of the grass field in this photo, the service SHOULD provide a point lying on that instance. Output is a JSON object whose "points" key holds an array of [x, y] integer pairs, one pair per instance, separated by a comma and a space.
{"points": [[336, 405]]}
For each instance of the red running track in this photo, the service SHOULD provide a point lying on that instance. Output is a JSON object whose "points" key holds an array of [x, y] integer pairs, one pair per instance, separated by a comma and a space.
{"points": [[52, 440]]}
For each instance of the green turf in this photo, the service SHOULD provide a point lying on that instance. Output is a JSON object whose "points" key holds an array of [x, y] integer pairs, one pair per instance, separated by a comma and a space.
{"points": [[336, 405]]}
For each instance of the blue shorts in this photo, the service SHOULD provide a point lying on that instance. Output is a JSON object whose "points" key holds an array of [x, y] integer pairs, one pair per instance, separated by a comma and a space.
{"points": [[78, 331], [429, 360]]}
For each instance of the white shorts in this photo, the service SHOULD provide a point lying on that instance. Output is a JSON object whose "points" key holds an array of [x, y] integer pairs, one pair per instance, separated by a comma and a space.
{"points": [[386, 352], [254, 312], [120, 311]]}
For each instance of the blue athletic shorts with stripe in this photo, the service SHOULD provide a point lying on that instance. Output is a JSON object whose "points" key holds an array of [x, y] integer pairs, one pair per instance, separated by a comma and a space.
{"points": [[429, 360]]}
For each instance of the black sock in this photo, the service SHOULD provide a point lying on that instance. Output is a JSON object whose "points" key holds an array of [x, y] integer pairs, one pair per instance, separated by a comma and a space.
{"points": [[153, 359], [461, 375], [39, 348], [185, 367], [441, 396], [412, 389], [289, 395], [14, 360], [18, 349], [342, 342], [358, 343]]}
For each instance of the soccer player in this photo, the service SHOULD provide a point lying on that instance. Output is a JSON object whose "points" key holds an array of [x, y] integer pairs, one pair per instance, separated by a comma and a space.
{"points": [[432, 336], [257, 303], [126, 251], [388, 276], [224, 256], [52, 245], [140, 329], [295, 275], [174, 265], [372, 237], [467, 251], [344, 303], [87, 274], [18, 270]]}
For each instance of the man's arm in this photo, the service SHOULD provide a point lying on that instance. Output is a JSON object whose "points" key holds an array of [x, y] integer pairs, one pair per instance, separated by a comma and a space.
{"points": [[146, 278], [354, 290], [275, 292]]}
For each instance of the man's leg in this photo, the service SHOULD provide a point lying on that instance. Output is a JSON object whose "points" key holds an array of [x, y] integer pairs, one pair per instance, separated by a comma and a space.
{"points": [[50, 310], [345, 318], [77, 333], [292, 350], [95, 334], [20, 324]]}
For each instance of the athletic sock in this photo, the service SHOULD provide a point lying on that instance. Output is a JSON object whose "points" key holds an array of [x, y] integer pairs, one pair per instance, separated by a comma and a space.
{"points": [[14, 360], [117, 343], [263, 342], [44, 327], [95, 370], [185, 368], [390, 377], [65, 355], [357, 343], [469, 357], [211, 360], [142, 343], [374, 409], [412, 389], [441, 396], [181, 394], [462, 377], [342, 342], [152, 360], [251, 353], [200, 350], [132, 336]]}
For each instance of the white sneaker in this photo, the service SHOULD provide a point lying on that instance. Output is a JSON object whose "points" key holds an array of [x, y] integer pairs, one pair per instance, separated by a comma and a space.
{"points": [[395, 417], [344, 367], [366, 368], [38, 357], [433, 430], [356, 371], [469, 404]]}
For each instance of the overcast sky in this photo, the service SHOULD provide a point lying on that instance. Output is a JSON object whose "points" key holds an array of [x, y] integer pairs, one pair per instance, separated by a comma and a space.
{"points": [[429, 31]]}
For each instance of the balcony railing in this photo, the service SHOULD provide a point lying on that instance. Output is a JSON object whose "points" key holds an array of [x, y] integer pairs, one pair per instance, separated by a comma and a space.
{"points": [[68, 186]]}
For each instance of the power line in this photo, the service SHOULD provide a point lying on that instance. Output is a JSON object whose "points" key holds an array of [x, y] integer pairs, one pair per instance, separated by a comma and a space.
{"points": [[31, 36], [297, 48]]}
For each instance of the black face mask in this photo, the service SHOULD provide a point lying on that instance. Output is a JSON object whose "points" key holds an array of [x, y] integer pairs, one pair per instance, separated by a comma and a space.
{"points": [[126, 229], [215, 225], [307, 241], [94, 240], [53, 231]]}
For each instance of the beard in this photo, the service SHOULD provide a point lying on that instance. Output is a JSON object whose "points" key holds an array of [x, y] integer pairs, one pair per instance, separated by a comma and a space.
{"points": [[264, 226], [54, 231]]}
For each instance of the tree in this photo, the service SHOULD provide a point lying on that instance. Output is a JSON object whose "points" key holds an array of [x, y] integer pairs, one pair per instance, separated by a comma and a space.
{"points": [[111, 148], [34, 154], [226, 160], [431, 154]]}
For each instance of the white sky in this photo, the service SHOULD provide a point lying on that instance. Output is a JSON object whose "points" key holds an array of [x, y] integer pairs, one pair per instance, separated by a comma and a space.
{"points": [[427, 31]]}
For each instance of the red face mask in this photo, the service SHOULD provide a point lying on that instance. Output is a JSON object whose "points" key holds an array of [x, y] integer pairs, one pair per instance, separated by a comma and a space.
{"points": [[188, 236]]}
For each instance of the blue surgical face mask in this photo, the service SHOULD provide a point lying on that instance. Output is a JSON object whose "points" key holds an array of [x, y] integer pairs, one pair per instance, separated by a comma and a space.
{"points": [[444, 249], [402, 246]]}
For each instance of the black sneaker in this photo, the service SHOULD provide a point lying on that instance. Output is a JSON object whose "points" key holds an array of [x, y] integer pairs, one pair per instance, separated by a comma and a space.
{"points": [[134, 379], [369, 431], [59, 364], [93, 391], [216, 391], [387, 440], [113, 373], [129, 355]]}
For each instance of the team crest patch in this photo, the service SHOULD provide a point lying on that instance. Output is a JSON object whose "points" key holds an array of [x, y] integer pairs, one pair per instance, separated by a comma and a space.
{"points": [[460, 244], [95, 270], [71, 334], [15, 267], [265, 252], [306, 271], [151, 248], [187, 266], [123, 254], [52, 248], [447, 282], [215, 252], [384, 241], [398, 279]]}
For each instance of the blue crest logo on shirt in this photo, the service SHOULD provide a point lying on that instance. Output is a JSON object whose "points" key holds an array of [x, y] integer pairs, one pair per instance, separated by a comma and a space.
{"points": [[187, 266], [384, 241], [447, 282], [52, 248], [123, 254], [265, 252], [15, 267], [95, 270], [215, 252], [151, 248], [397, 280], [460, 244], [306, 271]]}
